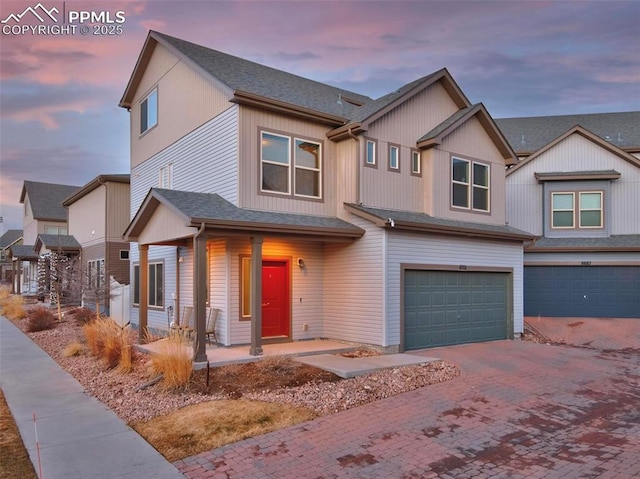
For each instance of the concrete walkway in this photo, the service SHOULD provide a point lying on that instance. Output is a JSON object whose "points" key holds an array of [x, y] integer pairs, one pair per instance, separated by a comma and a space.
{"points": [[352, 367], [78, 436]]}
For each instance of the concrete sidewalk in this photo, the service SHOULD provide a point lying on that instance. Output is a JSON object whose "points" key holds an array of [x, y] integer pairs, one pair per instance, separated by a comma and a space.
{"points": [[79, 437], [352, 367]]}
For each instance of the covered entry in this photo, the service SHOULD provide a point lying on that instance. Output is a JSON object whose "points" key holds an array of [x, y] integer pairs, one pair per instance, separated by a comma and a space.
{"points": [[454, 307]]}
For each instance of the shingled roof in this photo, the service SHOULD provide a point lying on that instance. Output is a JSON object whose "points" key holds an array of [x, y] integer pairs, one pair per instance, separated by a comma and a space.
{"points": [[528, 134], [10, 237], [609, 243], [216, 212], [55, 243], [46, 199]]}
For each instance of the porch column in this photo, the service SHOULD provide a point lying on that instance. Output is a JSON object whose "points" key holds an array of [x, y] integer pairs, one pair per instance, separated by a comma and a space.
{"points": [[200, 296], [256, 296], [143, 331], [19, 278], [13, 276]]}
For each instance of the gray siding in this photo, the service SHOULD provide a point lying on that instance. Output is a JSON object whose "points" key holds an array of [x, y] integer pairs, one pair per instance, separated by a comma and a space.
{"points": [[415, 248], [354, 309], [580, 257]]}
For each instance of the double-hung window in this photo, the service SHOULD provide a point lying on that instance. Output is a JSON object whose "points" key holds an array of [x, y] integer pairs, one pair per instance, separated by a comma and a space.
{"points": [[149, 112], [95, 274], [470, 185], [588, 209], [290, 165], [155, 286]]}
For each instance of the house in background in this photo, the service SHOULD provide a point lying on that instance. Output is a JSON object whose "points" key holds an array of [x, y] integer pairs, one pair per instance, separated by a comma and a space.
{"points": [[98, 213], [7, 240], [43, 214], [301, 210], [577, 186]]}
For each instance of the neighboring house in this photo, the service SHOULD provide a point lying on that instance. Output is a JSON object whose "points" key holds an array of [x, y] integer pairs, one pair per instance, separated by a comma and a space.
{"points": [[301, 210], [7, 240], [58, 256], [577, 186], [99, 212], [43, 214]]}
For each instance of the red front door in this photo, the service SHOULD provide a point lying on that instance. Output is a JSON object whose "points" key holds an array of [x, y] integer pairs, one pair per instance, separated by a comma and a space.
{"points": [[275, 299]]}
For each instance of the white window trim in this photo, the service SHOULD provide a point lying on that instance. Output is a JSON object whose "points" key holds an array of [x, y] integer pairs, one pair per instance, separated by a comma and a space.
{"points": [[263, 161], [374, 160], [395, 148], [142, 103], [573, 210], [581, 209], [166, 171], [470, 185]]}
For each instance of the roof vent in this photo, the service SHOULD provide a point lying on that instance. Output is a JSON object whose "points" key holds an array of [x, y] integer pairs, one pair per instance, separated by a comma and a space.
{"points": [[339, 98]]}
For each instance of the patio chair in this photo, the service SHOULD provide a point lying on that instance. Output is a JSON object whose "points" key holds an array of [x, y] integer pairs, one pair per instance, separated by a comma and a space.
{"points": [[212, 319], [185, 326]]}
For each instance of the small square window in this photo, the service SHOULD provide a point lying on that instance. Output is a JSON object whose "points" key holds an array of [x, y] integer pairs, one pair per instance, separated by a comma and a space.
{"points": [[124, 254]]}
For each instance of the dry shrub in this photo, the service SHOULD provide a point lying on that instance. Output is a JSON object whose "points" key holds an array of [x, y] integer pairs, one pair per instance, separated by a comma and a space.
{"points": [[107, 340], [4, 293], [13, 308], [84, 315], [73, 349], [40, 319], [173, 362]]}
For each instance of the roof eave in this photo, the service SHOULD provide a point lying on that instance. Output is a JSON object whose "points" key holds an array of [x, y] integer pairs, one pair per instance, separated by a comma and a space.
{"points": [[457, 231], [258, 101]]}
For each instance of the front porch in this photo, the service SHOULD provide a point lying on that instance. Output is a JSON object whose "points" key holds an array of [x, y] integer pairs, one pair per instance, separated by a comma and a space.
{"points": [[220, 355]]}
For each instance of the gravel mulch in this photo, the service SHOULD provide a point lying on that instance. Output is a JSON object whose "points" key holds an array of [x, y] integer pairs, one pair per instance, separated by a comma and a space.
{"points": [[122, 393]]}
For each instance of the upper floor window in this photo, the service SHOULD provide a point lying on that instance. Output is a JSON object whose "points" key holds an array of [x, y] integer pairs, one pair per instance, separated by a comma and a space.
{"points": [[415, 163], [564, 209], [470, 185], [370, 158], [394, 157], [55, 230], [279, 172], [165, 179], [149, 112]]}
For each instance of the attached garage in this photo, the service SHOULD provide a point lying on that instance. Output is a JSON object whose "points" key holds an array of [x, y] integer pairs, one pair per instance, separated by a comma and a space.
{"points": [[455, 307], [582, 291]]}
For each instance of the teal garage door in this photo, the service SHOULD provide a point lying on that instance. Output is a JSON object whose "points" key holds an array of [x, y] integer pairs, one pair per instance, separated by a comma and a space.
{"points": [[582, 291], [449, 307]]}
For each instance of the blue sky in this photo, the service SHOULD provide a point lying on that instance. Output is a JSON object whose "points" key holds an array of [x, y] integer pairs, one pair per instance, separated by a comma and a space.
{"points": [[59, 94]]}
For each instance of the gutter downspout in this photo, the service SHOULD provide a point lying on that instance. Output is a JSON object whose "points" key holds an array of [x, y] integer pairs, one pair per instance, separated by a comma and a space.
{"points": [[358, 166]]}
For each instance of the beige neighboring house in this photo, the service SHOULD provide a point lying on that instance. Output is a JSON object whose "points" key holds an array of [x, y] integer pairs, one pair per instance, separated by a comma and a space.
{"points": [[300, 210], [43, 214], [7, 240], [98, 215], [577, 187]]}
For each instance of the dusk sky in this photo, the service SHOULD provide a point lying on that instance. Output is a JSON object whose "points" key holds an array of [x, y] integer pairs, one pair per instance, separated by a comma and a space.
{"points": [[59, 93]]}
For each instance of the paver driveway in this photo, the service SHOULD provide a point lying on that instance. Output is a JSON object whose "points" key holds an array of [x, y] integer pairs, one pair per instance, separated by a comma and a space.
{"points": [[519, 410]]}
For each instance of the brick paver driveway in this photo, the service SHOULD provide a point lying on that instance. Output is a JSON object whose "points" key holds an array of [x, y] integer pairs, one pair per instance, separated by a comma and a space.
{"points": [[519, 410]]}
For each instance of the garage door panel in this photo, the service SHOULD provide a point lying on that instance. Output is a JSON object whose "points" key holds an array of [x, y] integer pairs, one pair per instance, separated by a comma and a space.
{"points": [[582, 291], [465, 307]]}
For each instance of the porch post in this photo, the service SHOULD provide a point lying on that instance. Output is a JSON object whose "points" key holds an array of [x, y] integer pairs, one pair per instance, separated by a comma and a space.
{"points": [[256, 296], [200, 295], [143, 331], [13, 275], [19, 282]]}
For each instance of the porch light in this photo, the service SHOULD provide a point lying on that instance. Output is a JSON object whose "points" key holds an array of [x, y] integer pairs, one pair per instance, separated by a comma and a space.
{"points": [[301, 262]]}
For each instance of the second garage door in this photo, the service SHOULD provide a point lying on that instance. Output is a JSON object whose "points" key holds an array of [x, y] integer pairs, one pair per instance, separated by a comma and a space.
{"points": [[450, 307]]}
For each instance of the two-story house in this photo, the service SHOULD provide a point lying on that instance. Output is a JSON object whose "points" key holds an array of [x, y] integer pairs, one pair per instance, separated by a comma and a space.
{"points": [[301, 210], [43, 215], [98, 213], [577, 186]]}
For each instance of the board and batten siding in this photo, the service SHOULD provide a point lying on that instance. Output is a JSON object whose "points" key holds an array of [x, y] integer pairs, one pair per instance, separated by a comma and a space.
{"points": [[422, 249], [354, 307], [306, 286], [252, 121], [186, 100], [402, 126], [118, 210], [470, 142], [348, 161], [575, 153]]}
